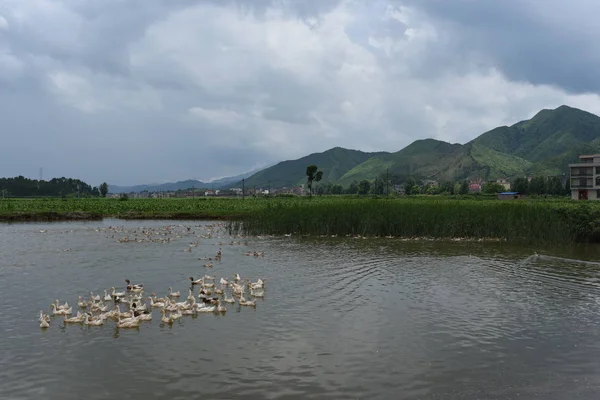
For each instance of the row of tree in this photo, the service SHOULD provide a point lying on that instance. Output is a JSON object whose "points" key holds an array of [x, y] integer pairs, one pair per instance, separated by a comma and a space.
{"points": [[384, 185], [24, 187], [541, 185]]}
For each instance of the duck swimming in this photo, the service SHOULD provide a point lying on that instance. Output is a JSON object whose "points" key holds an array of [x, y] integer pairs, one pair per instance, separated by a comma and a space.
{"points": [[197, 281], [133, 288]]}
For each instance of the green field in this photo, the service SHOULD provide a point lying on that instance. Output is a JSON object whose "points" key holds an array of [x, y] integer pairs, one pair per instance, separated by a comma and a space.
{"points": [[96, 208], [558, 221]]}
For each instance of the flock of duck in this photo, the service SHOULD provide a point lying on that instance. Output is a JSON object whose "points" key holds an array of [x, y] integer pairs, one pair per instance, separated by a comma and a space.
{"points": [[131, 307], [96, 310]]}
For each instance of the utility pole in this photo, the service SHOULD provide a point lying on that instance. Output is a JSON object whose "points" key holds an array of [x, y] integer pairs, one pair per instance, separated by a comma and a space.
{"points": [[243, 189], [269, 188], [387, 181]]}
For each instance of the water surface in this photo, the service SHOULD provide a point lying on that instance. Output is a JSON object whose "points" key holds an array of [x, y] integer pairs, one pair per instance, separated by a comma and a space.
{"points": [[342, 318]]}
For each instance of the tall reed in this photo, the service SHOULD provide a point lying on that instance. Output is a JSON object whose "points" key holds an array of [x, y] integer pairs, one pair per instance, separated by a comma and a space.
{"points": [[516, 221]]}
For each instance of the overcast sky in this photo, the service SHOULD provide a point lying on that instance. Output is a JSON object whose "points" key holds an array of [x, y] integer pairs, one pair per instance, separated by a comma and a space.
{"points": [[143, 91]]}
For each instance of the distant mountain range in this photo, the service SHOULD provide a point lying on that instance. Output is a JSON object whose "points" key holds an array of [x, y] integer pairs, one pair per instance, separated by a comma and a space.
{"points": [[182, 185], [541, 146]]}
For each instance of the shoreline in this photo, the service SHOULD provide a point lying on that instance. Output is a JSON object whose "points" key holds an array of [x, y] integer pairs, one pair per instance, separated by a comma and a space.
{"points": [[86, 216]]}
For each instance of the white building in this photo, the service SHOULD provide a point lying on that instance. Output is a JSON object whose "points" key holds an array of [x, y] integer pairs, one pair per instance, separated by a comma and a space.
{"points": [[585, 178]]}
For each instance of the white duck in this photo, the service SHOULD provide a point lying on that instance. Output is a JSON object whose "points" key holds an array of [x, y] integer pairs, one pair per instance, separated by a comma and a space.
{"points": [[44, 317], [99, 307], [158, 304], [203, 308], [56, 311], [229, 300], [176, 315], [76, 319], [128, 323], [82, 303], [167, 320], [93, 322], [244, 302], [145, 317], [116, 294], [173, 294], [191, 311], [93, 298], [220, 308], [107, 296], [61, 306]]}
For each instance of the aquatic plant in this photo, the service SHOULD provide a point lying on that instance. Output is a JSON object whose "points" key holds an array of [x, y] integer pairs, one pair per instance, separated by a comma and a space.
{"points": [[516, 221]]}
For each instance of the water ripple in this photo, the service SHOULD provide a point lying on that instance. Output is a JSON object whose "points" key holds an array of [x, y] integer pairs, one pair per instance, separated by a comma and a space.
{"points": [[341, 318]]}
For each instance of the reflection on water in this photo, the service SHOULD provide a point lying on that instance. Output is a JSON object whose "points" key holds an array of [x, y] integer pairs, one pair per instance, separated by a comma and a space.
{"points": [[341, 318]]}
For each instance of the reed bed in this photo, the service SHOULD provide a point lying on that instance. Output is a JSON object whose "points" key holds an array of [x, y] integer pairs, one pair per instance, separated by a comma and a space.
{"points": [[515, 221]]}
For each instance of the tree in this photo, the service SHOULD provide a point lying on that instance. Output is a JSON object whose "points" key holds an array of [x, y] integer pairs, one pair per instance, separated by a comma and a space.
{"points": [[567, 187], [447, 187], [555, 186], [337, 189], [537, 185], [378, 186], [20, 186], [103, 189], [432, 190], [312, 174], [464, 188], [364, 186], [408, 186], [492, 187], [457, 188], [353, 188], [520, 185]]}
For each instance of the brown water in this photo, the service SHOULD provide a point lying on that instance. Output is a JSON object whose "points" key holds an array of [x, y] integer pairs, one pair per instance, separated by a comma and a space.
{"points": [[341, 318]]}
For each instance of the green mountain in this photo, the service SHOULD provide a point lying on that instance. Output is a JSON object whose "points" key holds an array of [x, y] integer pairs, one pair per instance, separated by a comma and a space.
{"points": [[419, 158], [542, 145], [334, 163]]}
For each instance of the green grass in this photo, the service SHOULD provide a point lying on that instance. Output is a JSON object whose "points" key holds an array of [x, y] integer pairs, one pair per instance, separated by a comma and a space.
{"points": [[554, 220], [95, 208]]}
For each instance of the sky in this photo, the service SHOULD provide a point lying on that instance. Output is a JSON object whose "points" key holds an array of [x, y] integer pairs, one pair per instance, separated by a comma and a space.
{"points": [[149, 91]]}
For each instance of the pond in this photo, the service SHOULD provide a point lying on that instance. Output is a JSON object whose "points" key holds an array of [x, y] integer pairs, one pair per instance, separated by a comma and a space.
{"points": [[377, 318]]}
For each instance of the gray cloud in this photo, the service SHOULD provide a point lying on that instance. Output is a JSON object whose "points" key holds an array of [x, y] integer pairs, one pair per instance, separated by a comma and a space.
{"points": [[156, 90], [551, 42]]}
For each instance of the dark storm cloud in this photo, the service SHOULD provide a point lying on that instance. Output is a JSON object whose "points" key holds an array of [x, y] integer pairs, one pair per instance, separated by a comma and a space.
{"points": [[542, 42]]}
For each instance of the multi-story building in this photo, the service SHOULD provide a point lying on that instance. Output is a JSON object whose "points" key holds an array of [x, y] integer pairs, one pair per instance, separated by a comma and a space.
{"points": [[585, 178]]}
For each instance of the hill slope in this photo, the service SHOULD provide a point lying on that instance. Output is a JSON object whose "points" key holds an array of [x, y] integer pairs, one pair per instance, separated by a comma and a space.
{"points": [[543, 145], [549, 134], [334, 163]]}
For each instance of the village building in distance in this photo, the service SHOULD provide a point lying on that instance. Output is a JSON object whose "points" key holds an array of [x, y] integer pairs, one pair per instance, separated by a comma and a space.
{"points": [[585, 178]]}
